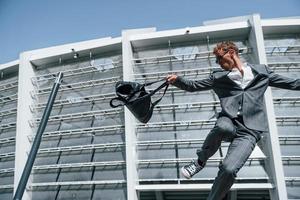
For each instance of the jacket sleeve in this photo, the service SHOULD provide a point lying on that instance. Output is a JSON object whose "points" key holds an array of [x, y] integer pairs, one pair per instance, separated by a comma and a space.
{"points": [[279, 81], [192, 86]]}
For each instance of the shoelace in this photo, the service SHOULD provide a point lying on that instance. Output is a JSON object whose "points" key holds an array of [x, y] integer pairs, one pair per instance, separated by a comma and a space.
{"points": [[192, 168]]}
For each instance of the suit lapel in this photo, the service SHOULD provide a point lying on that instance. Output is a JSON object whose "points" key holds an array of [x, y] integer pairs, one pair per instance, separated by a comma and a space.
{"points": [[222, 74], [257, 70]]}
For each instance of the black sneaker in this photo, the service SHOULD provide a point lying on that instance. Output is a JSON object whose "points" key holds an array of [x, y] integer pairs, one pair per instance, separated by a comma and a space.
{"points": [[188, 171]]}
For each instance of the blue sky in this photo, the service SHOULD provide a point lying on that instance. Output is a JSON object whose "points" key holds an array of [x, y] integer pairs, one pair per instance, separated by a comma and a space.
{"points": [[33, 24]]}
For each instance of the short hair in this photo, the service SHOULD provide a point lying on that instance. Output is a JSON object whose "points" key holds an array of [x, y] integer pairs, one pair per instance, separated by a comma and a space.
{"points": [[225, 46]]}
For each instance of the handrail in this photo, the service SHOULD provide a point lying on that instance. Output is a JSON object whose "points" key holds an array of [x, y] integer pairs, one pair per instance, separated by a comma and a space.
{"points": [[185, 72], [8, 86], [7, 112], [74, 72], [292, 100], [284, 46], [79, 85], [101, 97], [9, 98], [287, 49], [81, 115], [98, 97], [176, 123], [191, 105], [284, 63], [81, 148], [7, 140], [78, 165], [182, 186], [199, 71], [87, 131], [288, 137], [186, 160], [169, 142], [290, 158], [279, 119], [34, 186], [168, 58], [287, 119], [7, 170], [202, 179], [7, 187], [7, 155], [8, 126], [292, 179]]}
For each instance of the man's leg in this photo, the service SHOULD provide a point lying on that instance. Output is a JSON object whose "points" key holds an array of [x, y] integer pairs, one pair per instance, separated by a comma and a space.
{"points": [[238, 152], [223, 129]]}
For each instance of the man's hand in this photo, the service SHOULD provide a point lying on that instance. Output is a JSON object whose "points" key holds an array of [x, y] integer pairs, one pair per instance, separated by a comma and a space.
{"points": [[171, 78], [238, 63]]}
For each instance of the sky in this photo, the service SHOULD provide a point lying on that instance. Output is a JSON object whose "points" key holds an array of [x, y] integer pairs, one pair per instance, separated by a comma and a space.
{"points": [[32, 24]]}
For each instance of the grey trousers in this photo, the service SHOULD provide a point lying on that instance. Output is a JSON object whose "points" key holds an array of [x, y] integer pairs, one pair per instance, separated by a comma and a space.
{"points": [[242, 142]]}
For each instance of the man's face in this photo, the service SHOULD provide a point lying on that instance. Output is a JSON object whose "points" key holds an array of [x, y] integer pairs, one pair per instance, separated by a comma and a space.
{"points": [[225, 59]]}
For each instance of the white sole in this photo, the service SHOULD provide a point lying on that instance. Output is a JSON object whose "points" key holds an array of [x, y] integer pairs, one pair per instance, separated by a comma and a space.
{"points": [[184, 173]]}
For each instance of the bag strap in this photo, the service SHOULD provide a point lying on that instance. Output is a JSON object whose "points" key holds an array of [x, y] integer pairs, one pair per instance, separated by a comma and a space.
{"points": [[116, 99], [159, 88], [165, 84], [150, 83], [145, 84], [154, 91]]}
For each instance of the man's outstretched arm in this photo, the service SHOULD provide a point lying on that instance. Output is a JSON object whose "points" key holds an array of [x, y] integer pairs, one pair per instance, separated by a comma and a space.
{"points": [[190, 85], [283, 82]]}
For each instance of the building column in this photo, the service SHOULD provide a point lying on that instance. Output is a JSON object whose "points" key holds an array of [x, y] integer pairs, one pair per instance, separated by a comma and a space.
{"points": [[270, 143], [24, 115], [130, 122]]}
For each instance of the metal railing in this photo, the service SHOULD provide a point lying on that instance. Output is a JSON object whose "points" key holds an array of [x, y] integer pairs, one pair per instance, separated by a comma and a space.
{"points": [[287, 120], [75, 72], [84, 131], [8, 126], [8, 140], [8, 86], [7, 156], [7, 171], [161, 162], [109, 146], [8, 112], [181, 57], [9, 98], [76, 100], [162, 74], [283, 49], [75, 184], [79, 85], [81, 115]]}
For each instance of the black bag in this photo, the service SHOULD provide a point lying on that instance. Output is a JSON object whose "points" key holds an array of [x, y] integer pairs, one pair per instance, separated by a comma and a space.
{"points": [[135, 97]]}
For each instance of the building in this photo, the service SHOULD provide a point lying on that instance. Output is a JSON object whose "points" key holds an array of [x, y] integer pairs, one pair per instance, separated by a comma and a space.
{"points": [[91, 151]]}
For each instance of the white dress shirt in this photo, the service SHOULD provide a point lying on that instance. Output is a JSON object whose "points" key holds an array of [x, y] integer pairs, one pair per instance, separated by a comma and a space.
{"points": [[237, 77], [240, 80]]}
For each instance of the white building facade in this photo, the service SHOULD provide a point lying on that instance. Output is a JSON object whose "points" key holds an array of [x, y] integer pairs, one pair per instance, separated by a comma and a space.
{"points": [[92, 151]]}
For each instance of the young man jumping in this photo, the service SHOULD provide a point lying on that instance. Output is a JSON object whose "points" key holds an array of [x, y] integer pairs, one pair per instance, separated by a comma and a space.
{"points": [[242, 120]]}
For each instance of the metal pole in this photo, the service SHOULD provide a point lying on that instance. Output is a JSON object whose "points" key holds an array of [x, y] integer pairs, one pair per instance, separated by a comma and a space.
{"points": [[37, 140]]}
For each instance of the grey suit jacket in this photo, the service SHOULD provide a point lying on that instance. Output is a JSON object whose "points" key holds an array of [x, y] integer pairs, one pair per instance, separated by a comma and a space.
{"points": [[251, 98]]}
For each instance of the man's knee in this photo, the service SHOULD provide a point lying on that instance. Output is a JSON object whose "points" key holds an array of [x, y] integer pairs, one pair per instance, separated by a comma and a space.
{"points": [[224, 125], [228, 170]]}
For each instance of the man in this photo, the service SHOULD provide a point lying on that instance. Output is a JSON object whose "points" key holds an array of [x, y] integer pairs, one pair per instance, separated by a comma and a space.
{"points": [[240, 88]]}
